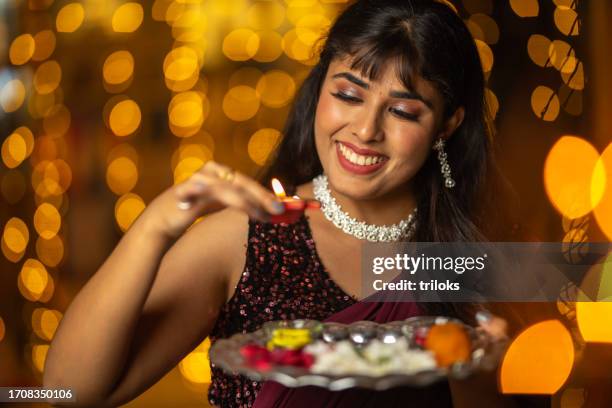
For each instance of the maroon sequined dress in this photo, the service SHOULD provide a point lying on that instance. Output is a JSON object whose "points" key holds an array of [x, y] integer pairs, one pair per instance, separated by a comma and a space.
{"points": [[283, 278]]}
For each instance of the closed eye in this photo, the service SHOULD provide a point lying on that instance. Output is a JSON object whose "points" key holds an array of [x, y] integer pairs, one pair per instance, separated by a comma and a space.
{"points": [[345, 97], [404, 115]]}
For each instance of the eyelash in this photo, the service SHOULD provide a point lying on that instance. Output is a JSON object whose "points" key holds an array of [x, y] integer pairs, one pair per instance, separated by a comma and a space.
{"points": [[351, 99]]}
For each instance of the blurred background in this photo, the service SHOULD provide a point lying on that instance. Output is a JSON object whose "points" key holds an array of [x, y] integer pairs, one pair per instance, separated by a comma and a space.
{"points": [[104, 104]]}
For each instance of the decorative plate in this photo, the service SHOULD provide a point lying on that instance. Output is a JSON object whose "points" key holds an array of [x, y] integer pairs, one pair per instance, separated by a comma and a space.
{"points": [[484, 354]]}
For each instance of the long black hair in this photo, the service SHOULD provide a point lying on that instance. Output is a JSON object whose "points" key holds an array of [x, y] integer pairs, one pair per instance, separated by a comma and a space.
{"points": [[424, 38]]}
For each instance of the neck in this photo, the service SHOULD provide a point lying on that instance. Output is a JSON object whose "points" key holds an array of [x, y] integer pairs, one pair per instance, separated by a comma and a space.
{"points": [[387, 209]]}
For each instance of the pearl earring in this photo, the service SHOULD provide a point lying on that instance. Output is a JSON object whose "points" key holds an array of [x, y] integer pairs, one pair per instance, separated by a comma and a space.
{"points": [[444, 166]]}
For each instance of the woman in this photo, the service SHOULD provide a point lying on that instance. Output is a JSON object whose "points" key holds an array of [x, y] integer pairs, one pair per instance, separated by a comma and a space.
{"points": [[390, 123]]}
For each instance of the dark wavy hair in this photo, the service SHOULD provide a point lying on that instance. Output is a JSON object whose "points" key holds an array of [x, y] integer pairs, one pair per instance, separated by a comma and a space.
{"points": [[424, 38]]}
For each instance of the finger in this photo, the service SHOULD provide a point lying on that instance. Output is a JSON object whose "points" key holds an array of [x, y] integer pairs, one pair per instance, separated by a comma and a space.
{"points": [[230, 194], [267, 200], [235, 198], [495, 326]]}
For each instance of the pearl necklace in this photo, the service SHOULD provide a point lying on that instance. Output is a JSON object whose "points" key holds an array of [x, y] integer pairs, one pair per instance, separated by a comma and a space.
{"points": [[402, 231]]}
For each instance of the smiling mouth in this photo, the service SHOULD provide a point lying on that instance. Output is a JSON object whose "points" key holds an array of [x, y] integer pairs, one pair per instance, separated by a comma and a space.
{"points": [[359, 159]]}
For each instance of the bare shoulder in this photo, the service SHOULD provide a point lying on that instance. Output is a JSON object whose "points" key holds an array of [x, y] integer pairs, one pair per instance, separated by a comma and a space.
{"points": [[212, 249]]}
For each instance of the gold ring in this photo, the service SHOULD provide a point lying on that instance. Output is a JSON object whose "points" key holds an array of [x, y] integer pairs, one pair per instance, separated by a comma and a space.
{"points": [[227, 175]]}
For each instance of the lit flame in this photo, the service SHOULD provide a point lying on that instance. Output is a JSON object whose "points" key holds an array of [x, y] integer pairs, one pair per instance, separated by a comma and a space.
{"points": [[278, 188]]}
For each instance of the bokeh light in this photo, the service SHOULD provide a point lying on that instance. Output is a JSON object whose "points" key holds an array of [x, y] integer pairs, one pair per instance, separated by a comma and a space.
{"points": [[44, 45], [127, 18], [525, 8], [538, 361], [124, 118], [51, 177], [241, 103], [187, 111], [47, 77], [127, 209], [574, 190], [69, 18], [57, 121], [14, 150], [45, 322], [270, 46], [16, 235], [195, 367], [241, 44], [275, 89], [538, 47], [265, 15], [22, 49], [545, 103], [181, 64], [39, 355], [34, 280], [483, 28], [603, 210], [262, 143], [12, 95], [566, 20], [50, 251], [121, 175], [47, 220], [118, 67]]}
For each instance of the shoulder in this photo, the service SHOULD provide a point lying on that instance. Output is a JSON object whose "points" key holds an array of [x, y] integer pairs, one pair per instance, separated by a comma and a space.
{"points": [[217, 244]]}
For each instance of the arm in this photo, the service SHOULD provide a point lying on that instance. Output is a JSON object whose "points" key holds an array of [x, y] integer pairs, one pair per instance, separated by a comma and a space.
{"points": [[144, 308]]}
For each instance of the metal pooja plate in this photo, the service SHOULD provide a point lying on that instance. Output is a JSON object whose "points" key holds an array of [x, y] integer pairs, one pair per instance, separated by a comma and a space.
{"points": [[225, 353]]}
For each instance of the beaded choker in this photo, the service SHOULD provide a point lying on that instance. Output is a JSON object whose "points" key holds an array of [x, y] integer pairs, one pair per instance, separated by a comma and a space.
{"points": [[402, 231]]}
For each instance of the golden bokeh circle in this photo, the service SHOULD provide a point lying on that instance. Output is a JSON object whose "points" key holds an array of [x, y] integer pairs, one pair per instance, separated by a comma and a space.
{"points": [[121, 175], [69, 18], [268, 15], [127, 209], [127, 18], [545, 103], [44, 45], [262, 143], [47, 77], [16, 235], [125, 117], [241, 44], [47, 220], [118, 67], [22, 49], [275, 89], [50, 251], [241, 103]]}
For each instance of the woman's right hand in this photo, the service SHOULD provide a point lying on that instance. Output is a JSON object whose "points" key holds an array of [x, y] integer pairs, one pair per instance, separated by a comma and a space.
{"points": [[212, 188]]}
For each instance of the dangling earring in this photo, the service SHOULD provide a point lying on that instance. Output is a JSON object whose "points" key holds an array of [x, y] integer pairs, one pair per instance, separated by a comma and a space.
{"points": [[444, 166]]}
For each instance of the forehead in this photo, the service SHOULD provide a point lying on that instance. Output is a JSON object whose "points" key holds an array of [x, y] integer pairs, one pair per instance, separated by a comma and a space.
{"points": [[387, 79]]}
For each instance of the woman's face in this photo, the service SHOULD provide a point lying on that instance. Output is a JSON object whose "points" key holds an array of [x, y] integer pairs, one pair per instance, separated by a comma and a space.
{"points": [[372, 137]]}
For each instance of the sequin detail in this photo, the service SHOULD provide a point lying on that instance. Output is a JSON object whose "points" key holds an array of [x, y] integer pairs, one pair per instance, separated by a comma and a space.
{"points": [[283, 278]]}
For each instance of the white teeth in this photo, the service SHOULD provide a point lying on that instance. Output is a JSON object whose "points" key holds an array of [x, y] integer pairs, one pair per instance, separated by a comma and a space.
{"points": [[357, 158]]}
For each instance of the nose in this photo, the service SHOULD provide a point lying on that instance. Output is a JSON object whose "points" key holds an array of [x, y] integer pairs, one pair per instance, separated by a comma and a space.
{"points": [[366, 125]]}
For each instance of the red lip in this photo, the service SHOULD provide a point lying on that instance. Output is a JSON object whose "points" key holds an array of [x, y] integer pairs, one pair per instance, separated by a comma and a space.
{"points": [[355, 168], [362, 151]]}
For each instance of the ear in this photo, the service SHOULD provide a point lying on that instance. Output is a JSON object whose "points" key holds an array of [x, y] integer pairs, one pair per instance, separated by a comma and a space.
{"points": [[452, 123]]}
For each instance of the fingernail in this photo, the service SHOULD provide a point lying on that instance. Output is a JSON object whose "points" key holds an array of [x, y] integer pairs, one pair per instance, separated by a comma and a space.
{"points": [[199, 187], [483, 316], [264, 216], [278, 208]]}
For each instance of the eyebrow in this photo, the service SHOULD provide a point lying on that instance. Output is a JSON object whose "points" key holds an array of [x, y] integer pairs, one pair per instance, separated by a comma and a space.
{"points": [[395, 94]]}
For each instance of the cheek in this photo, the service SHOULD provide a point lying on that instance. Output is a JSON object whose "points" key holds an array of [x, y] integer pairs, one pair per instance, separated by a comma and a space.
{"points": [[411, 145], [329, 116]]}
